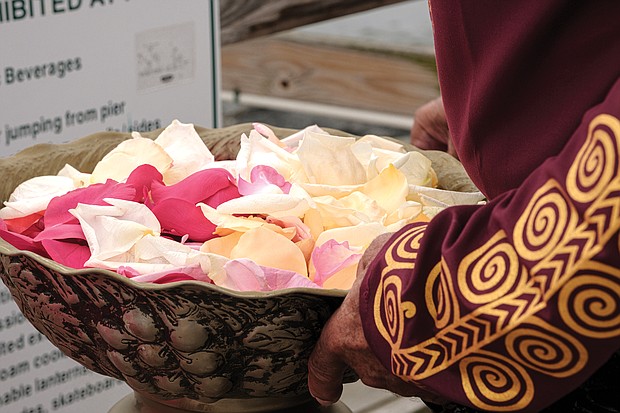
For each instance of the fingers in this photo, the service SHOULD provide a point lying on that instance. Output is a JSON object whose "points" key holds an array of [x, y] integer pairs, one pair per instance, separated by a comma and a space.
{"points": [[430, 128], [325, 370]]}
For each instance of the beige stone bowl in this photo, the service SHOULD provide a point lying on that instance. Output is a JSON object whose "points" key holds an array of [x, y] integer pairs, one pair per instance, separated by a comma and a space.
{"points": [[188, 345]]}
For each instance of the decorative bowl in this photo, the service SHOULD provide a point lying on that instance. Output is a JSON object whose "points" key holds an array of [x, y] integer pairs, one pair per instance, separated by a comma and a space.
{"points": [[188, 345]]}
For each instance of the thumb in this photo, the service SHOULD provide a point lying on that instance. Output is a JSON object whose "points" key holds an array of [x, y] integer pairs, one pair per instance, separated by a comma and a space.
{"points": [[325, 372]]}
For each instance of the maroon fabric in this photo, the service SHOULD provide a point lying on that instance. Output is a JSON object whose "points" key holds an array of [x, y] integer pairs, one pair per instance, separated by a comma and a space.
{"points": [[517, 77], [511, 305]]}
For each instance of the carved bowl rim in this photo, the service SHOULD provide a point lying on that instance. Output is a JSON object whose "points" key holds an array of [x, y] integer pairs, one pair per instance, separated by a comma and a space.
{"points": [[7, 249]]}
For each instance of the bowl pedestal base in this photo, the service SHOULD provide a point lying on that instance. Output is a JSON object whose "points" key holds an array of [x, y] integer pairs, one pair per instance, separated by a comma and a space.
{"points": [[135, 403]]}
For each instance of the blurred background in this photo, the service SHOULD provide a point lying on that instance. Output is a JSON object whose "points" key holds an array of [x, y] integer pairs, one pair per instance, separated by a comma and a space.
{"points": [[362, 72]]}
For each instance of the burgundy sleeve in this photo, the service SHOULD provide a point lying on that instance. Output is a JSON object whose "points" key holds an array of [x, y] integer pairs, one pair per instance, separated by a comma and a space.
{"points": [[510, 305]]}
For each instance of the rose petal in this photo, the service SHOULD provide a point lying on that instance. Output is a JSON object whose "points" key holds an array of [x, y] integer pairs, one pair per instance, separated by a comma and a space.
{"points": [[277, 205], [419, 193], [211, 186], [302, 231], [264, 179], [328, 159], [21, 242], [58, 210], [22, 224], [359, 236], [114, 229], [34, 195], [187, 273], [257, 150], [246, 275], [332, 257], [222, 245], [187, 150], [71, 253], [127, 156], [142, 179], [259, 245], [389, 189], [80, 179], [180, 217]]}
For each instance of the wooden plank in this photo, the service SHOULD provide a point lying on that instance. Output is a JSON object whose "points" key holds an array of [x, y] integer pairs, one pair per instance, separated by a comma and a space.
{"points": [[242, 20], [328, 74]]}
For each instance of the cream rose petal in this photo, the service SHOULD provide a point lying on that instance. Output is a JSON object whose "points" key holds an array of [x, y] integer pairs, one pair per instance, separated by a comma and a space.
{"points": [[350, 210], [277, 205], [114, 229], [417, 168], [229, 221], [270, 249], [328, 159], [258, 150], [34, 195], [358, 236], [127, 156], [153, 254], [389, 189], [292, 141], [187, 150], [443, 197], [405, 213], [80, 179]]}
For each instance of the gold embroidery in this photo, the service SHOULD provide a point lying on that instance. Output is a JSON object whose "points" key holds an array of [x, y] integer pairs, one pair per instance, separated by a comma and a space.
{"points": [[545, 348], [561, 242], [401, 254], [544, 222], [441, 300], [490, 272], [493, 382], [597, 161], [590, 302]]}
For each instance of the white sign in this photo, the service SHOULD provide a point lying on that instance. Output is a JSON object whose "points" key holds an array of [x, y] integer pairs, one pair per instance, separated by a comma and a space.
{"points": [[69, 68]]}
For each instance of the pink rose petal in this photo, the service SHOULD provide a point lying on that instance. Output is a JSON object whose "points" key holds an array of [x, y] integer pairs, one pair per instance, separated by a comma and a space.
{"points": [[65, 231], [72, 253], [58, 213], [21, 242], [246, 275], [23, 224], [210, 186], [141, 179], [180, 217], [193, 272], [261, 177], [302, 231], [331, 257]]}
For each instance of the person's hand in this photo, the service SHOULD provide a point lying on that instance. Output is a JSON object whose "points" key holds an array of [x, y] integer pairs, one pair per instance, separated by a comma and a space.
{"points": [[342, 343], [430, 128]]}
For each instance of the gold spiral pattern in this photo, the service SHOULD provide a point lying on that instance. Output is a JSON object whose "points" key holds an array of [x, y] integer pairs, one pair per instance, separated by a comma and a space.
{"points": [[547, 349], [490, 272], [496, 383], [440, 298], [389, 311], [395, 311], [596, 163], [404, 250], [546, 220], [589, 303]]}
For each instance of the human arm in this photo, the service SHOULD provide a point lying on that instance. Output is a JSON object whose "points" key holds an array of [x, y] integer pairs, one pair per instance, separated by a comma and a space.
{"points": [[508, 305]]}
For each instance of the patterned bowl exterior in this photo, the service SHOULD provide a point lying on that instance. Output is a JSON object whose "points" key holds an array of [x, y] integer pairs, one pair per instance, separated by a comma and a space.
{"points": [[187, 340]]}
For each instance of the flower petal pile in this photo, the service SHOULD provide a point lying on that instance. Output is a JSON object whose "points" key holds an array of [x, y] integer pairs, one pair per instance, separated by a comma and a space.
{"points": [[296, 212]]}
